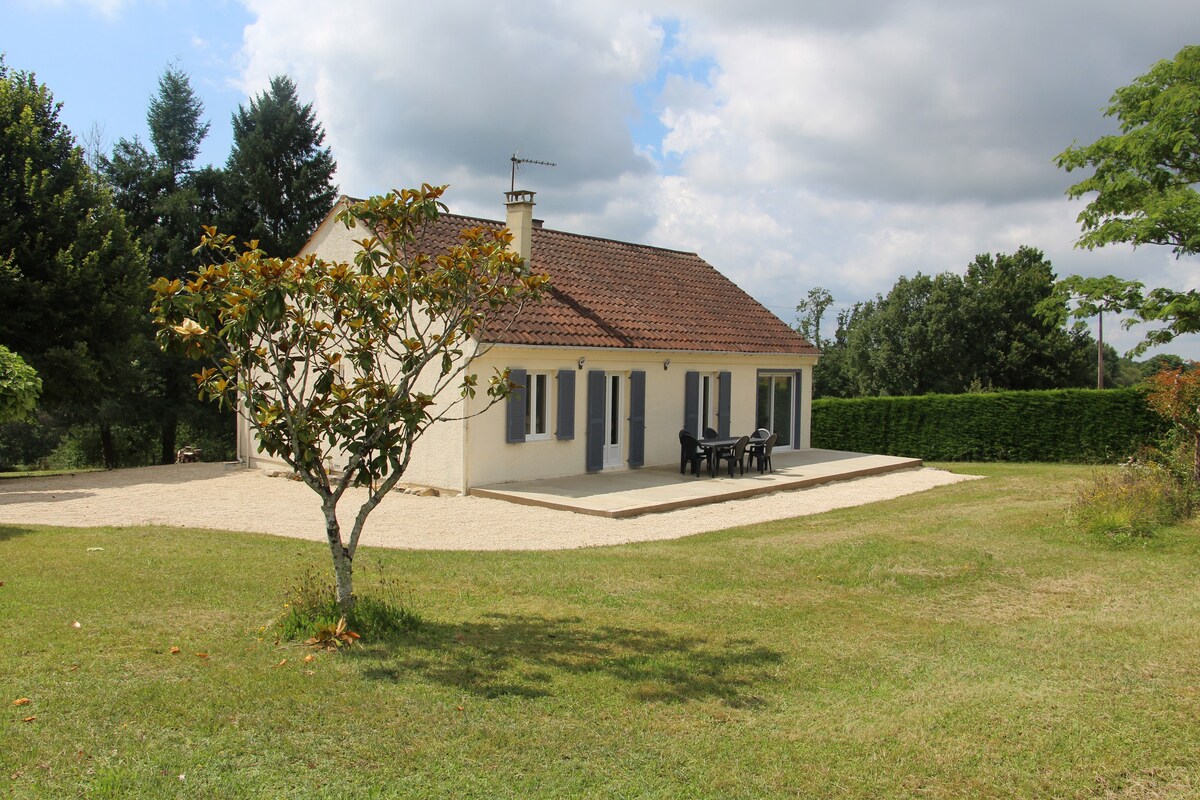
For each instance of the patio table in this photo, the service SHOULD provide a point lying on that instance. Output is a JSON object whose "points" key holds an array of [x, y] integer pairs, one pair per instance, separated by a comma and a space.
{"points": [[714, 446]]}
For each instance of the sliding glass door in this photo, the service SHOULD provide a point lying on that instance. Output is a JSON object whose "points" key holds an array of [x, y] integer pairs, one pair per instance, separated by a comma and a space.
{"points": [[776, 405]]}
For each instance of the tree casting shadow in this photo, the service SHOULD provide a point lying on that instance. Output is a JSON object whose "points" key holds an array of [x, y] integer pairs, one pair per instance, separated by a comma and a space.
{"points": [[12, 532], [506, 654]]}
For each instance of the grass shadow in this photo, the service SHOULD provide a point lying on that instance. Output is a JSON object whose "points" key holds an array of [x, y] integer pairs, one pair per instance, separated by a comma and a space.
{"points": [[523, 655], [12, 532]]}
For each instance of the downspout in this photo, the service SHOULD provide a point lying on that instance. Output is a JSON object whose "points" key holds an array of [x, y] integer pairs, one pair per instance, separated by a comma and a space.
{"points": [[466, 446]]}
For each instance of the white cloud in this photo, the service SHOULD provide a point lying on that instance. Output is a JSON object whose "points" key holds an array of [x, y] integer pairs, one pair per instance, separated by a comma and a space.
{"points": [[838, 143]]}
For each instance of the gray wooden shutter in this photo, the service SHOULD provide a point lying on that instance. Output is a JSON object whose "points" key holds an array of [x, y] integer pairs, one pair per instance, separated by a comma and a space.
{"points": [[691, 403], [514, 429], [566, 405], [637, 418], [595, 421], [724, 401], [796, 410]]}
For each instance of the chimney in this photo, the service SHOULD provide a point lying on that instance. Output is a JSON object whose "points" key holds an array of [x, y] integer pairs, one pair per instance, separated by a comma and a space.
{"points": [[520, 220]]}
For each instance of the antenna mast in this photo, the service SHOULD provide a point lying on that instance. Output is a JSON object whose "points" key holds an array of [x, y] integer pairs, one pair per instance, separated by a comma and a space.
{"points": [[516, 161]]}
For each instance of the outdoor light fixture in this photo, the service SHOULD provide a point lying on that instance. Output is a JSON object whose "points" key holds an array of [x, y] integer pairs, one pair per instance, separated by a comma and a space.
{"points": [[666, 363], [581, 360]]}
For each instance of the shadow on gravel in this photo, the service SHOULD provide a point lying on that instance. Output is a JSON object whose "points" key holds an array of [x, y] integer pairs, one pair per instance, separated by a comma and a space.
{"points": [[18, 498]]}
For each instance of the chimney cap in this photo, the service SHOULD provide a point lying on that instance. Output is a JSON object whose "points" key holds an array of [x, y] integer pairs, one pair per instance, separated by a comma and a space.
{"points": [[519, 196]]}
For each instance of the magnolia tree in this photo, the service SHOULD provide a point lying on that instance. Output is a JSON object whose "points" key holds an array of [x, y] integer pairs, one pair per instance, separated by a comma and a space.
{"points": [[340, 368]]}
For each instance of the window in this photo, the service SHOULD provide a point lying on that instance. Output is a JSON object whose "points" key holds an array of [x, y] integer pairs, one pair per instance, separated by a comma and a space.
{"points": [[537, 406]]}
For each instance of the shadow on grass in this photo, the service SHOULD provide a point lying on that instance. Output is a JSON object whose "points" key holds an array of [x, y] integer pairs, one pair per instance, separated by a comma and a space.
{"points": [[12, 532], [523, 656]]}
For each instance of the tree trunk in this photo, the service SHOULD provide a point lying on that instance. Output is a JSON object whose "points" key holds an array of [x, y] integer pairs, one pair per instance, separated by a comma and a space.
{"points": [[175, 377], [107, 449], [343, 567], [169, 424], [1196, 457]]}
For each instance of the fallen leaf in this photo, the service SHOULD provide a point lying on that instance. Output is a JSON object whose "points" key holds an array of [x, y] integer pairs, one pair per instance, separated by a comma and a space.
{"points": [[29, 719], [22, 701], [76, 624], [308, 658], [201, 655], [281, 663], [95, 549], [174, 651]]}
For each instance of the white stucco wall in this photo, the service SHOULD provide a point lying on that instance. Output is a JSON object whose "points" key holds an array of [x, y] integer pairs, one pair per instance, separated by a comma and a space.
{"points": [[461, 454], [437, 455], [490, 460]]}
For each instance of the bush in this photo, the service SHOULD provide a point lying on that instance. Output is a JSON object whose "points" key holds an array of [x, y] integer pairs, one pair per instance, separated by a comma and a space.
{"points": [[1133, 502], [1076, 425], [311, 606]]}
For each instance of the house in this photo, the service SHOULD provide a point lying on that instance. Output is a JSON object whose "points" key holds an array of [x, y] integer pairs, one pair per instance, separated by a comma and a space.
{"points": [[631, 344]]}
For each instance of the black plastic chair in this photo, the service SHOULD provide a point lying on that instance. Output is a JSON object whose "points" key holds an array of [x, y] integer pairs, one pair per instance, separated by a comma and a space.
{"points": [[762, 454], [709, 433], [755, 449], [735, 455], [690, 451]]}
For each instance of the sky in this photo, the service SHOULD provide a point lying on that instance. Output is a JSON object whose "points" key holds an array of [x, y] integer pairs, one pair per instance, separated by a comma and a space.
{"points": [[791, 144]]}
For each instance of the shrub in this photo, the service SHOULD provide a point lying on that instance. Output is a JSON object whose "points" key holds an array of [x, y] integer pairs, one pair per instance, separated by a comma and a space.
{"points": [[311, 606], [1134, 501]]}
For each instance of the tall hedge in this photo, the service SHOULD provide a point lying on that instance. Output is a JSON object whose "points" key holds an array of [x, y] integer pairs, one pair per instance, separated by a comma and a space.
{"points": [[1079, 425]]}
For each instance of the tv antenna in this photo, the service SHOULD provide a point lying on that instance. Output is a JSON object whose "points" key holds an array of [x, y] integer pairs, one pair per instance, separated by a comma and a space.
{"points": [[517, 161]]}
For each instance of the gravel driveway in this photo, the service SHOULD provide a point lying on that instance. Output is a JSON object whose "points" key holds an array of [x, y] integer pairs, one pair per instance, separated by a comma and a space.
{"points": [[219, 497]]}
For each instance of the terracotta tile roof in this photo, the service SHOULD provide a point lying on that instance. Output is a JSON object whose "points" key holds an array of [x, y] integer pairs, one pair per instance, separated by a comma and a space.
{"points": [[607, 293]]}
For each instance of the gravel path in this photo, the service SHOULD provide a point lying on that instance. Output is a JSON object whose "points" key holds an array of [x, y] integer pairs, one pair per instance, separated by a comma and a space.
{"points": [[214, 496]]}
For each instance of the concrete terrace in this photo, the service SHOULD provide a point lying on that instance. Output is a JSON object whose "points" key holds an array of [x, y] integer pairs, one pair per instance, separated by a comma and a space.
{"points": [[628, 493]]}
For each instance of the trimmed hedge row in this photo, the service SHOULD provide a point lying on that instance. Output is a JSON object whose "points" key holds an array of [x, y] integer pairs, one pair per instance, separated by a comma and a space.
{"points": [[1078, 425]]}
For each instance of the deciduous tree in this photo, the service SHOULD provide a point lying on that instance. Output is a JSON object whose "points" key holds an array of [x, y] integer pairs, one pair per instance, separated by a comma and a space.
{"points": [[20, 387], [1144, 180], [1011, 344], [948, 332], [810, 312], [340, 367], [1093, 297]]}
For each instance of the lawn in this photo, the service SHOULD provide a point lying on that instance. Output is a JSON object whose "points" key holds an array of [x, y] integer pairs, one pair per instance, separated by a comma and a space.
{"points": [[964, 642]]}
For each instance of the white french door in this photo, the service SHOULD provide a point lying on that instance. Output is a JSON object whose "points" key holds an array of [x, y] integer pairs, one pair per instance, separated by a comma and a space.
{"points": [[614, 411]]}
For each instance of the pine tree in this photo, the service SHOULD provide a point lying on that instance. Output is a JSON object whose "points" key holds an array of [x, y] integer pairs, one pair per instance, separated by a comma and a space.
{"points": [[280, 179], [166, 200], [72, 280]]}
